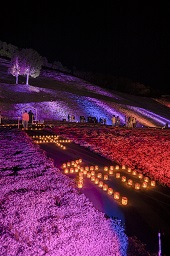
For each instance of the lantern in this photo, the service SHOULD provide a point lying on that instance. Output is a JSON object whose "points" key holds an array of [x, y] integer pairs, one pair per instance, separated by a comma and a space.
{"points": [[124, 200], [112, 167], [117, 167], [68, 164], [93, 178], [66, 170], [118, 175], [140, 176], [87, 168], [130, 182], [71, 170], [123, 178], [134, 172], [123, 167], [80, 184], [91, 168], [93, 173], [96, 181], [100, 184], [96, 168], [137, 186], [144, 184], [116, 195], [99, 175], [88, 175], [110, 191], [106, 168], [129, 169], [110, 172], [146, 179], [153, 183], [64, 165], [106, 177], [105, 187]]}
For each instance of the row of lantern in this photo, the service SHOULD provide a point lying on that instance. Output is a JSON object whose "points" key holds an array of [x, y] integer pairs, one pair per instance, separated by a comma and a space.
{"points": [[90, 172], [146, 180], [50, 139]]}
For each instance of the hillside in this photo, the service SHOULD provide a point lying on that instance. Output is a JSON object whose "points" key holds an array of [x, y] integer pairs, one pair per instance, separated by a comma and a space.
{"points": [[54, 95]]}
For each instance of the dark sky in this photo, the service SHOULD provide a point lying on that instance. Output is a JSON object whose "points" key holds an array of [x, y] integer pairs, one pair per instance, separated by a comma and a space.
{"points": [[117, 37]]}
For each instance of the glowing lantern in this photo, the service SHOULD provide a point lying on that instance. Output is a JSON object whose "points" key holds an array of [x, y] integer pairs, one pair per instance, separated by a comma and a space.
{"points": [[140, 176], [82, 169], [100, 184], [110, 172], [129, 169], [96, 167], [66, 170], [93, 178], [91, 168], [72, 162], [137, 186], [93, 173], [124, 200], [116, 195], [96, 181], [105, 187], [76, 169], [118, 175], [68, 164], [146, 179], [80, 160], [112, 167], [130, 182], [88, 175], [77, 161], [80, 174], [106, 177], [85, 172], [144, 184], [80, 184], [87, 168], [123, 167], [123, 178], [110, 191], [153, 183], [117, 167], [64, 165], [71, 170], [134, 172], [99, 175], [106, 168]]}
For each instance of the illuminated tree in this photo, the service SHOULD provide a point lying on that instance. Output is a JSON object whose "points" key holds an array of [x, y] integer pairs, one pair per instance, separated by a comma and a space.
{"points": [[14, 68], [31, 63]]}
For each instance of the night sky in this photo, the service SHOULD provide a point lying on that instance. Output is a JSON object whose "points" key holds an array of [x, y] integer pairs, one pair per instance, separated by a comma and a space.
{"points": [[121, 38]]}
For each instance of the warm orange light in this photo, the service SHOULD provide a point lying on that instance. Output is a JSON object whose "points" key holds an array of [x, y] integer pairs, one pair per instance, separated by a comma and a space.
{"points": [[100, 184], [123, 178], [66, 170], [96, 168], [146, 179], [110, 172], [106, 168], [134, 172], [137, 186], [96, 181], [110, 191], [118, 175], [93, 178], [144, 184], [117, 167], [80, 185], [116, 195], [91, 168], [106, 177], [88, 175], [140, 176], [123, 167], [71, 170], [64, 165], [130, 182], [68, 164], [129, 169], [105, 187], [99, 175], [93, 173], [124, 200], [111, 167], [87, 168], [153, 183]]}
